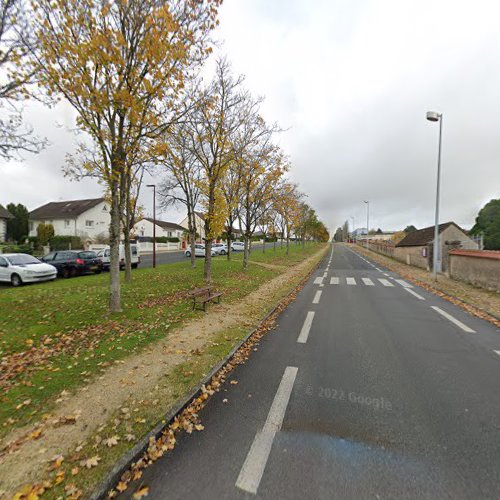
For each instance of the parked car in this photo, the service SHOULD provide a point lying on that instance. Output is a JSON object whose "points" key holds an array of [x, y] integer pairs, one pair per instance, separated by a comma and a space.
{"points": [[105, 256], [199, 251], [74, 262], [20, 268], [219, 248], [237, 246]]}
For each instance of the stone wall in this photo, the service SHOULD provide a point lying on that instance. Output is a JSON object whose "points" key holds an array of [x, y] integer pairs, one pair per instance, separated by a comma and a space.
{"points": [[478, 267]]}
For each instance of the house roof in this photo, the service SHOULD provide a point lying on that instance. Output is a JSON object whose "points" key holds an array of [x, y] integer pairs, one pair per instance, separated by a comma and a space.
{"points": [[5, 214], [482, 254], [165, 224], [201, 215], [64, 209], [422, 237]]}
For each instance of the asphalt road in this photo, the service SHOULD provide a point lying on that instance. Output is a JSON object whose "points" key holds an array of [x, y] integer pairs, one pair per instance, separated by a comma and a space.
{"points": [[170, 257], [384, 396]]}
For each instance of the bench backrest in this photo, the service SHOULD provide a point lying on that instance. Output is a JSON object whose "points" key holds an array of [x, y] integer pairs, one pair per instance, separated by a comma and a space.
{"points": [[200, 291]]}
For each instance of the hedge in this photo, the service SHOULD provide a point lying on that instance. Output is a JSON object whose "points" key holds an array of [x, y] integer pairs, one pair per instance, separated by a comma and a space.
{"points": [[65, 243]]}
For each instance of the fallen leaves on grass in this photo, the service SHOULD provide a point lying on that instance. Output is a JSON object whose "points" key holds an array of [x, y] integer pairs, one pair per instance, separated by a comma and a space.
{"points": [[112, 441], [91, 462]]}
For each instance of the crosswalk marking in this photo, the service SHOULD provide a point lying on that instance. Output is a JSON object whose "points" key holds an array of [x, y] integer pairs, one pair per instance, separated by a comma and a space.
{"points": [[404, 283], [350, 281], [318, 280], [334, 281], [385, 282], [367, 281]]}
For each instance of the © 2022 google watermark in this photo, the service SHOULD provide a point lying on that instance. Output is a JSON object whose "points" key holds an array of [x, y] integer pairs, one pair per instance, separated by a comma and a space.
{"points": [[377, 403]]}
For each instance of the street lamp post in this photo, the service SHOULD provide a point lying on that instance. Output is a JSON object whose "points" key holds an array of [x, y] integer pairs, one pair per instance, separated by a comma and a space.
{"points": [[433, 116], [154, 222], [367, 221]]}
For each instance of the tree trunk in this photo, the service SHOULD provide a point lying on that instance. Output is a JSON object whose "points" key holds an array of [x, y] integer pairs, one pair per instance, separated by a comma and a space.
{"points": [[192, 237], [274, 243], [229, 234], [264, 244], [114, 245], [207, 273], [128, 256], [246, 251], [287, 244]]}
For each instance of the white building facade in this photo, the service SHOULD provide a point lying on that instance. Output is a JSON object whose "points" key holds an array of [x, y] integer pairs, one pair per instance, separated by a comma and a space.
{"points": [[144, 228], [87, 219]]}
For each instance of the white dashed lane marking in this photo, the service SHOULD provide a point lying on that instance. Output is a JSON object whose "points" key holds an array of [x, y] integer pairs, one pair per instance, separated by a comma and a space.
{"points": [[454, 320], [385, 282]]}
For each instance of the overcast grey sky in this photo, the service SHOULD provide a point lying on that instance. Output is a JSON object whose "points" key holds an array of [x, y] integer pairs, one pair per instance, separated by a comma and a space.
{"points": [[352, 80]]}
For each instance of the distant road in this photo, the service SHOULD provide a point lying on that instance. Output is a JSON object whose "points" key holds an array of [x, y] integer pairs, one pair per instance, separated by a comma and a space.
{"points": [[171, 257]]}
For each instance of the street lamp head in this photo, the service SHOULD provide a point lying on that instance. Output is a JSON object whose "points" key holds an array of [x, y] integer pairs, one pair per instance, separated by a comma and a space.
{"points": [[433, 116], [150, 185], [366, 202]]}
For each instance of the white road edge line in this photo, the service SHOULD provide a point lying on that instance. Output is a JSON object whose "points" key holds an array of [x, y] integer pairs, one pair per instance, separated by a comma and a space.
{"points": [[252, 470], [409, 290], [449, 317], [306, 327], [317, 296], [498, 352]]}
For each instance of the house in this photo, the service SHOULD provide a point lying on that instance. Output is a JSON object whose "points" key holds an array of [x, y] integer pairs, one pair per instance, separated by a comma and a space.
{"points": [[416, 248], [199, 224], [144, 229], [5, 215], [88, 219]]}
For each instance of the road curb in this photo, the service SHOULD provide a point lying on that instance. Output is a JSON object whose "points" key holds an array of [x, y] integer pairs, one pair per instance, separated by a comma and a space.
{"points": [[125, 462]]}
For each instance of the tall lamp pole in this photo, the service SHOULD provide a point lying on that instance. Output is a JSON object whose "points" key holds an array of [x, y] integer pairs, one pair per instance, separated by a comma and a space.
{"points": [[154, 222], [367, 221], [433, 116]]}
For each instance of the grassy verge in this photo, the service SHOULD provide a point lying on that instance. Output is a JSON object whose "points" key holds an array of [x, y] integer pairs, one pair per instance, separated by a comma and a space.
{"points": [[59, 336]]}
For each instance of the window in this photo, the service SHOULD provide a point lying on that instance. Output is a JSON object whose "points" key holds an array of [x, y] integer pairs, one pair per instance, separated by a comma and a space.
{"points": [[67, 223], [104, 208], [89, 223], [169, 234], [49, 256], [3, 262], [32, 226]]}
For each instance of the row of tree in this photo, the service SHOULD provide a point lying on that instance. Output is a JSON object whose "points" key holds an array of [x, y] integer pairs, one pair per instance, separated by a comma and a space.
{"points": [[128, 68]]}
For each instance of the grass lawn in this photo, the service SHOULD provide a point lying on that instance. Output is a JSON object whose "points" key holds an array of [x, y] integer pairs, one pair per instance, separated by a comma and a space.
{"points": [[59, 336]]}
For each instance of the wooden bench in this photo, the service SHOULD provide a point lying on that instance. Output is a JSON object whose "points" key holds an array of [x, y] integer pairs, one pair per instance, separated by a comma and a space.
{"points": [[203, 295]]}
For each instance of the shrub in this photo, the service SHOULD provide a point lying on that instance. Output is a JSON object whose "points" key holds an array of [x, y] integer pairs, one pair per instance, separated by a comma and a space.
{"points": [[65, 242], [44, 232]]}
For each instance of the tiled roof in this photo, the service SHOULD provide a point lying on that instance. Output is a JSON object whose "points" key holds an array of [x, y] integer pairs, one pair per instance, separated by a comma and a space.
{"points": [[483, 254], [165, 224], [64, 209], [424, 236], [201, 215], [5, 214]]}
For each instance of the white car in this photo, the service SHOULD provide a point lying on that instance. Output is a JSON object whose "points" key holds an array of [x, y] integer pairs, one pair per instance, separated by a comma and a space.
{"points": [[105, 256], [199, 251], [19, 268], [237, 246], [220, 248]]}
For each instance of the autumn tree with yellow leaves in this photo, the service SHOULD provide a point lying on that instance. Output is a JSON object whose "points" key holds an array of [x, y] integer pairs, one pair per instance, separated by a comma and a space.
{"points": [[121, 65], [221, 110]]}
